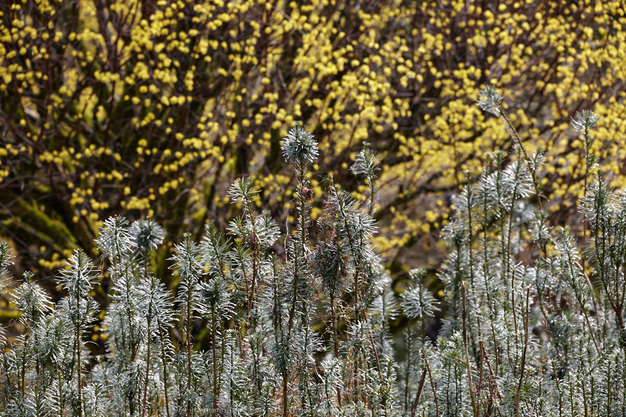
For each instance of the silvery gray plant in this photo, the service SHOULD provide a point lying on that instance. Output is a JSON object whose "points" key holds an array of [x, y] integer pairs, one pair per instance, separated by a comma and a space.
{"points": [[307, 325]]}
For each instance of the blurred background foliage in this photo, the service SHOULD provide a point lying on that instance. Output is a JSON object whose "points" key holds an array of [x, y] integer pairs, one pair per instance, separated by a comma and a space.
{"points": [[153, 108]]}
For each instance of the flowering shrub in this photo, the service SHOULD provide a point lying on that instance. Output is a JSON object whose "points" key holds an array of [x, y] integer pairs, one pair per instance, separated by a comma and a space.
{"points": [[152, 108], [301, 324]]}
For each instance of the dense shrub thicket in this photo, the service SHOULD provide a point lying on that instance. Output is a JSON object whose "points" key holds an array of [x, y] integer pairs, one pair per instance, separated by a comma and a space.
{"points": [[153, 108], [300, 324]]}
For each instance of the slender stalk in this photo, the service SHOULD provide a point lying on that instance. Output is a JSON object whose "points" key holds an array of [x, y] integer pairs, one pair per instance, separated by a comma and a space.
{"points": [[285, 400], [214, 348], [3, 388], [486, 273], [335, 338], [408, 371], [523, 366], [491, 373], [419, 392], [480, 378], [188, 328], [465, 343], [508, 251], [148, 342], [294, 302], [24, 371], [78, 373], [470, 194], [164, 360], [470, 199], [580, 301], [37, 398], [61, 406], [145, 387], [432, 382], [255, 259], [303, 225]]}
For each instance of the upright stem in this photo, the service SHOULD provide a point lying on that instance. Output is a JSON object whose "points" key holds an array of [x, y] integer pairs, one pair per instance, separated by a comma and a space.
{"points": [[215, 387], [491, 373], [508, 251], [581, 301], [285, 400], [79, 371], [24, 371], [301, 179], [148, 342], [296, 275], [470, 194], [255, 260], [302, 202], [164, 359], [335, 339], [419, 392], [408, 371], [432, 383], [470, 199], [521, 376], [61, 406], [145, 388], [469, 368], [188, 347]]}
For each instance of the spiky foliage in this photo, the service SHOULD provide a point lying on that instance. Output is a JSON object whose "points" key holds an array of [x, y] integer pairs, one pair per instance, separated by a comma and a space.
{"points": [[5, 262], [367, 164], [490, 100], [526, 329], [530, 324], [299, 147]]}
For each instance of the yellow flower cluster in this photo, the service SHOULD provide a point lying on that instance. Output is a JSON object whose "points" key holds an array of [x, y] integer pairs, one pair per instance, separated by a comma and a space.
{"points": [[153, 108]]}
